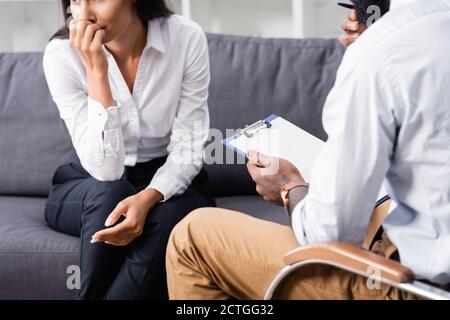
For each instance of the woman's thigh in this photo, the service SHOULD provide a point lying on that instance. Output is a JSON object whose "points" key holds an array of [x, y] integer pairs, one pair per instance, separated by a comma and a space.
{"points": [[176, 208], [69, 201], [166, 215]]}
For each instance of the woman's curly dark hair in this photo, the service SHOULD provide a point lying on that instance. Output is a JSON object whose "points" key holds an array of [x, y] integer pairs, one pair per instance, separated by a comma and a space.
{"points": [[146, 10]]}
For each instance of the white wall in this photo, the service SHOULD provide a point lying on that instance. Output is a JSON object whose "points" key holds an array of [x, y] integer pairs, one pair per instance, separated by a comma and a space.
{"points": [[245, 17], [327, 17], [267, 18], [26, 25]]}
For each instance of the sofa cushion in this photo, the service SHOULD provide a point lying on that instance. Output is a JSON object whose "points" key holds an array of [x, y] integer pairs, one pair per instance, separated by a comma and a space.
{"points": [[33, 139], [33, 258], [252, 78]]}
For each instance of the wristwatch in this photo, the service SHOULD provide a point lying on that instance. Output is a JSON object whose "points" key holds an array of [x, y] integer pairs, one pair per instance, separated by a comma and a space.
{"points": [[285, 191]]}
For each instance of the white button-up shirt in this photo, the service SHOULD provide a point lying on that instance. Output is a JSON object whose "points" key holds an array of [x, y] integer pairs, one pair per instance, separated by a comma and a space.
{"points": [[166, 113], [388, 115]]}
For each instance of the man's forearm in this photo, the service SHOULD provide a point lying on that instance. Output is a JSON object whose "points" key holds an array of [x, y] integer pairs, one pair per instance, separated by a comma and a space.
{"points": [[295, 196]]}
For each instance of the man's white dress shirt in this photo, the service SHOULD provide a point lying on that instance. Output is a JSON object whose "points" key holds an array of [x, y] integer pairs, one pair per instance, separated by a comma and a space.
{"points": [[388, 115], [166, 113]]}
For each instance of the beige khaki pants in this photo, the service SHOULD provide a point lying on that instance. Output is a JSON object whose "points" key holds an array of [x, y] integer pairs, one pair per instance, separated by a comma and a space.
{"points": [[217, 254]]}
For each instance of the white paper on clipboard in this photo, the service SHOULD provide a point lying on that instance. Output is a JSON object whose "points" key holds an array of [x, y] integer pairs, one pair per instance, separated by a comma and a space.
{"points": [[284, 140]]}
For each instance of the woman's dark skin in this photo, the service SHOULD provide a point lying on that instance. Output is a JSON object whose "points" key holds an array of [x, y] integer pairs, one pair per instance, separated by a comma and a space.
{"points": [[116, 25]]}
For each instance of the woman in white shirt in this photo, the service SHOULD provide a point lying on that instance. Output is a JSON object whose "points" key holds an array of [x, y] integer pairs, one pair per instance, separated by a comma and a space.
{"points": [[130, 80]]}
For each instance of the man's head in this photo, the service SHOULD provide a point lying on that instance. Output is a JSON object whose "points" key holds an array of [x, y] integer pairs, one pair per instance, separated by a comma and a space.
{"points": [[365, 11]]}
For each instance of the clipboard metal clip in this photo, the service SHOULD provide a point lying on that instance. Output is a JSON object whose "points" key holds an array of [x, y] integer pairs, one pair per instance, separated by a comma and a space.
{"points": [[250, 130]]}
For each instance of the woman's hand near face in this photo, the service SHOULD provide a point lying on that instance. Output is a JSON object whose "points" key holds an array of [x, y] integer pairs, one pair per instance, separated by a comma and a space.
{"points": [[87, 40]]}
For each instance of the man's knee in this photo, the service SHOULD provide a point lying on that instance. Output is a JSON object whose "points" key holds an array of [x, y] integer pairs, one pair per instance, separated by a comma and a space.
{"points": [[193, 225], [196, 216]]}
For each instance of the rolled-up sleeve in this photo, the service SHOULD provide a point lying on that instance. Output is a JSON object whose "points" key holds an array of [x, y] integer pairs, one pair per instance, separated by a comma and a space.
{"points": [[95, 130], [347, 176], [191, 124]]}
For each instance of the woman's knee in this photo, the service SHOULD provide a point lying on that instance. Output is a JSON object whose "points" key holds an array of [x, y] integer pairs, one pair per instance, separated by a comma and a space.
{"points": [[107, 194]]}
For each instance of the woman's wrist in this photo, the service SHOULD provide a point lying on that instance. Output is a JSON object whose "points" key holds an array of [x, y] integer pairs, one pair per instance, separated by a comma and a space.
{"points": [[151, 196], [99, 88], [97, 73]]}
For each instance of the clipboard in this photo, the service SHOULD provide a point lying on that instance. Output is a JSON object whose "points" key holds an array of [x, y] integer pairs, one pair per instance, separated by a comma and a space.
{"points": [[277, 137]]}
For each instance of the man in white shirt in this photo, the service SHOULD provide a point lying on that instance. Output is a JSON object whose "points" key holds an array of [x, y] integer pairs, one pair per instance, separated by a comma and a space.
{"points": [[388, 116]]}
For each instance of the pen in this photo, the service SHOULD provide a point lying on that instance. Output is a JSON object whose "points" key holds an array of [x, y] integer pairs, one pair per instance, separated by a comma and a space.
{"points": [[346, 5]]}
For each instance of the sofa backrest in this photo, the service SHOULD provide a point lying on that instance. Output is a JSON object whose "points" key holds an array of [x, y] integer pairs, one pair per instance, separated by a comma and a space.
{"points": [[251, 79], [33, 139]]}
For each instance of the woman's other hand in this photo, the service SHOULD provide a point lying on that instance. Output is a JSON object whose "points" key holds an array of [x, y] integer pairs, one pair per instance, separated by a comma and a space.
{"points": [[87, 40], [135, 210]]}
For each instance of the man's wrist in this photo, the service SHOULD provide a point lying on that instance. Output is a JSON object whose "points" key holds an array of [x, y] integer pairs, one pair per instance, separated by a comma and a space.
{"points": [[288, 187], [296, 195]]}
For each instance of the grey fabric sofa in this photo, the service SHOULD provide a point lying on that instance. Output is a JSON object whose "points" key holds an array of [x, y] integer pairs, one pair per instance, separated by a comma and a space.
{"points": [[251, 79]]}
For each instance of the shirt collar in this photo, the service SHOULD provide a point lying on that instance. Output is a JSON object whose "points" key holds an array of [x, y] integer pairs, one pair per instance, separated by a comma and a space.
{"points": [[154, 36]]}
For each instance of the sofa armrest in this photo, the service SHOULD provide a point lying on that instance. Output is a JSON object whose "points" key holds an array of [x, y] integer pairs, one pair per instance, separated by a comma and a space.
{"points": [[351, 258]]}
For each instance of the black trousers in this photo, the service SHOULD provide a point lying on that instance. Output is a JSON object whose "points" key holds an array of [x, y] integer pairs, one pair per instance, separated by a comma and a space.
{"points": [[78, 205]]}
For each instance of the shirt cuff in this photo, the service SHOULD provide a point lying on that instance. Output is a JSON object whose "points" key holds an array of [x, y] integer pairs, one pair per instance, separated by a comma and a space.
{"points": [[101, 119], [299, 222], [166, 186]]}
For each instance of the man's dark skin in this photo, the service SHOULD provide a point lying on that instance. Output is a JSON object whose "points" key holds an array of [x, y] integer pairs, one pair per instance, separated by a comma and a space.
{"points": [[271, 175]]}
